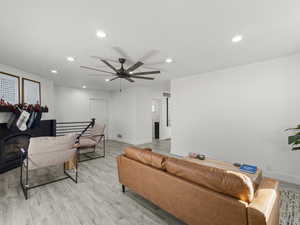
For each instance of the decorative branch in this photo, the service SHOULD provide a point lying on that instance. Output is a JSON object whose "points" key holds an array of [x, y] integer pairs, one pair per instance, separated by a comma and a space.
{"points": [[294, 140], [7, 107]]}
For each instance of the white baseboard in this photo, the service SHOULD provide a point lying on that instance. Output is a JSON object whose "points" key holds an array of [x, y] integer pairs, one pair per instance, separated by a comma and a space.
{"points": [[132, 142], [123, 140], [164, 137], [143, 141], [282, 177]]}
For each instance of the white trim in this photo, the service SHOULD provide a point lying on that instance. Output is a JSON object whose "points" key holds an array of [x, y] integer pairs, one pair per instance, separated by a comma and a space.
{"points": [[282, 177], [143, 141], [132, 142]]}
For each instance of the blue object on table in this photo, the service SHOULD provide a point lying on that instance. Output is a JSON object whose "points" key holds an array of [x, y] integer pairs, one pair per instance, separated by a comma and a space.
{"points": [[248, 168]]}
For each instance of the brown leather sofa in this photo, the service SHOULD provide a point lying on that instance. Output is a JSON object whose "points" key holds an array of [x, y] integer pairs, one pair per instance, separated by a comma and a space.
{"points": [[197, 194]]}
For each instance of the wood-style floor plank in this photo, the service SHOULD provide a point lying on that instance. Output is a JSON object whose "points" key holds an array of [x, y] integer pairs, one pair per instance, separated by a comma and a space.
{"points": [[97, 198]]}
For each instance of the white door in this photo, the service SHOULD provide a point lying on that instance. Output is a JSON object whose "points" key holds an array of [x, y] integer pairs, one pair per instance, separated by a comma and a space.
{"points": [[98, 110]]}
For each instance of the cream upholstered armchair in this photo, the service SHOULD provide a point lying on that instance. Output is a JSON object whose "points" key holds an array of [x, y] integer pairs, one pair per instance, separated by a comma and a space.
{"points": [[48, 151], [89, 142]]}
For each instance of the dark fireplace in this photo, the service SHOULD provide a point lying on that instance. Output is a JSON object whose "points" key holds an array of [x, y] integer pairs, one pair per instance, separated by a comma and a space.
{"points": [[10, 154], [11, 140]]}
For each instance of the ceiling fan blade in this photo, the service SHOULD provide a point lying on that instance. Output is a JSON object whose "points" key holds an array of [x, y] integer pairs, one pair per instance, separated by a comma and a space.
{"points": [[95, 69], [122, 53], [97, 75], [146, 73], [129, 79], [110, 60], [156, 63], [145, 78], [153, 68], [148, 55], [114, 78], [109, 65], [135, 66]]}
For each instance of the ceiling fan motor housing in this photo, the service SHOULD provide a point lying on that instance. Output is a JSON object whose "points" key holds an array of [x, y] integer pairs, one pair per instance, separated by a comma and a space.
{"points": [[122, 60]]}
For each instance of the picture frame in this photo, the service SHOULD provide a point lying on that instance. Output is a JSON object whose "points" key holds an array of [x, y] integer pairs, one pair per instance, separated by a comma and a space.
{"points": [[10, 88], [31, 91]]}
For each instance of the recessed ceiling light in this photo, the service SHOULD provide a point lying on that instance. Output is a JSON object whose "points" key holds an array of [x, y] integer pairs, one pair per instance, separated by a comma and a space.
{"points": [[106, 80], [83, 86], [54, 71], [237, 38], [70, 59], [101, 34], [169, 60]]}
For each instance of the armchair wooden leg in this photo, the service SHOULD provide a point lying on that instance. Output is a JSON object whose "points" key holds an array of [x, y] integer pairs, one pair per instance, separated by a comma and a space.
{"points": [[123, 188]]}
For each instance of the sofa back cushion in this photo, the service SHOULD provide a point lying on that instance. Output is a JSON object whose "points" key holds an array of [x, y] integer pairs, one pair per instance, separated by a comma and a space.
{"points": [[146, 156], [227, 182]]}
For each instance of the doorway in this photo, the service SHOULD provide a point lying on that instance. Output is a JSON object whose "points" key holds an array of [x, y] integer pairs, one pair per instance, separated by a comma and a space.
{"points": [[99, 111], [156, 119]]}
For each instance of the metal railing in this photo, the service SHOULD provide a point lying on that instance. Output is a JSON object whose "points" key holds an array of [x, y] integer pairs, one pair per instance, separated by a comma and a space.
{"points": [[79, 128]]}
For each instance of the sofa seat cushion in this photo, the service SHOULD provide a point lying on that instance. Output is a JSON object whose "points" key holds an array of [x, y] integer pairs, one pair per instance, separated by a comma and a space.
{"points": [[146, 156], [223, 181], [86, 142]]}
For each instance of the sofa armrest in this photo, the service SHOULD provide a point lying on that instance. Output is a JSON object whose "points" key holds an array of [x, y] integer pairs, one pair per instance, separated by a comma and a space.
{"points": [[264, 209], [119, 158]]}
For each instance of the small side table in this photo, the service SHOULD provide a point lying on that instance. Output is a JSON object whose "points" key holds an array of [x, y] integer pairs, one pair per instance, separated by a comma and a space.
{"points": [[71, 164]]}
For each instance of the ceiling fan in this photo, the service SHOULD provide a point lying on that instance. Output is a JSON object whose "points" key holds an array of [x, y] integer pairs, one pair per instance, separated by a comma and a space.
{"points": [[123, 73]]}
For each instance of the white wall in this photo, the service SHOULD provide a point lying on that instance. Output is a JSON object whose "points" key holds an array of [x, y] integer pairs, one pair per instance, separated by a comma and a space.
{"points": [[46, 91], [122, 109], [239, 115], [143, 115], [72, 104], [131, 114]]}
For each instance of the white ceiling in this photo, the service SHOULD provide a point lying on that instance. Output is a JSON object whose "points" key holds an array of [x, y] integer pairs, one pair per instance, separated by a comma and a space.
{"points": [[37, 36]]}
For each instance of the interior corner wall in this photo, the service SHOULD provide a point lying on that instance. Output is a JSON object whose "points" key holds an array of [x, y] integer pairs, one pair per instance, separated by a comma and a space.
{"points": [[123, 116], [143, 115], [240, 115], [131, 114], [46, 91], [72, 104]]}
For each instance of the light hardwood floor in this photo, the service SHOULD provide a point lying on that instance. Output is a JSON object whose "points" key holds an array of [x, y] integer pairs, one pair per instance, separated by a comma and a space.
{"points": [[97, 199]]}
